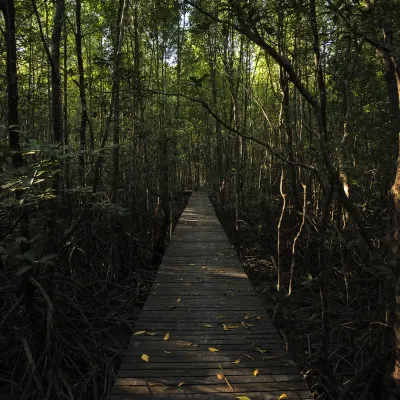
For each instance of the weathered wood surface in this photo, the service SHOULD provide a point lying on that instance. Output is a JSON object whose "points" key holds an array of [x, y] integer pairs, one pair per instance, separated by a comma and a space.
{"points": [[200, 288]]}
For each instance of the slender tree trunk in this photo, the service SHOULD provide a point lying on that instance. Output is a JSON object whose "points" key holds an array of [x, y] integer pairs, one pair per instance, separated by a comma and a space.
{"points": [[8, 10], [82, 92], [116, 93], [55, 72]]}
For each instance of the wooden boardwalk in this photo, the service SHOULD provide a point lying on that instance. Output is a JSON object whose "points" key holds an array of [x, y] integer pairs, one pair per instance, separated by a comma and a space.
{"points": [[202, 301]]}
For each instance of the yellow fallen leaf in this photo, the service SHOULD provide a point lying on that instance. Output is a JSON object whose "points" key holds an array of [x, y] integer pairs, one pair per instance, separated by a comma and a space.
{"points": [[256, 372], [283, 396], [166, 337], [151, 333], [220, 376], [208, 325], [230, 326], [145, 357], [212, 349], [178, 300], [181, 384], [139, 333], [236, 361], [243, 398]]}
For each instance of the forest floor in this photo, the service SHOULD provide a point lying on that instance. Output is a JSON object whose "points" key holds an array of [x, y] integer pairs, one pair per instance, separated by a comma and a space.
{"points": [[74, 338], [298, 319]]}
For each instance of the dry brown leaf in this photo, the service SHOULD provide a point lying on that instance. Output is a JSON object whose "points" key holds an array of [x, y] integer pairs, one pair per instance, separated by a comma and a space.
{"points": [[220, 376], [178, 301], [183, 343], [145, 357], [166, 337], [283, 396], [181, 384], [151, 333], [212, 349], [246, 355], [236, 361], [258, 318], [139, 333]]}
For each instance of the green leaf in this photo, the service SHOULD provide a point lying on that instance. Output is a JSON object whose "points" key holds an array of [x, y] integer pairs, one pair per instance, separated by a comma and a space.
{"points": [[30, 256], [47, 258], [24, 270]]}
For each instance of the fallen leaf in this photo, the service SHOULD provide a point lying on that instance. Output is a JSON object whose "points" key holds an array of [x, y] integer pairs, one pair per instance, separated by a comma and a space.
{"points": [[261, 350], [243, 398], [236, 361], [139, 333], [178, 300], [168, 352], [213, 349], [246, 355], [256, 372], [151, 333], [166, 337], [220, 376], [181, 384], [258, 318], [208, 325], [183, 343], [145, 357], [227, 382], [283, 396], [230, 327]]}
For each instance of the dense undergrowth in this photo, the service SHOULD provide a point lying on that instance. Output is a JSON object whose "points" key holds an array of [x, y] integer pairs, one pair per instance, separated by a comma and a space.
{"points": [[348, 366], [64, 338]]}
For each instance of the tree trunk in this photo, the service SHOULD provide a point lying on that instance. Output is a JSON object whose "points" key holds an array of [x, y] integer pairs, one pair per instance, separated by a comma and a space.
{"points": [[116, 94], [55, 72], [82, 92]]}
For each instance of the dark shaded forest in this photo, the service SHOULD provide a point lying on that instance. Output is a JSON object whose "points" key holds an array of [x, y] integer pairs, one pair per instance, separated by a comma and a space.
{"points": [[286, 112]]}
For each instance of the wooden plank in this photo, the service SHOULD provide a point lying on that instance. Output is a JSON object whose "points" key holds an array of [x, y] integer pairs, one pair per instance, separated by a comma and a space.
{"points": [[199, 372], [292, 395], [201, 286]]}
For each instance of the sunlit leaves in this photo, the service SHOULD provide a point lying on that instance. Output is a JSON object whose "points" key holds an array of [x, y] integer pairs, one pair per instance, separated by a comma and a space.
{"points": [[145, 357]]}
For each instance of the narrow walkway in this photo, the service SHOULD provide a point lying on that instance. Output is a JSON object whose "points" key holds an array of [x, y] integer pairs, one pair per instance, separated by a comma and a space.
{"points": [[203, 328]]}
